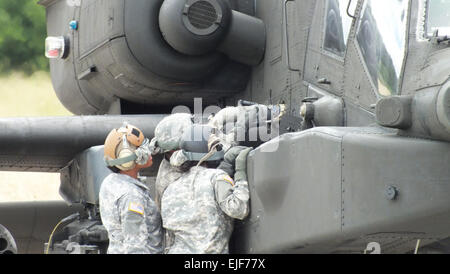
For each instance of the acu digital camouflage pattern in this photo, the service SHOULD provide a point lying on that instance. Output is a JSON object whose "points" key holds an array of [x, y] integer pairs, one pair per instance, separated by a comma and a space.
{"points": [[167, 138], [169, 131], [167, 174], [233, 125], [130, 216], [198, 211], [143, 153]]}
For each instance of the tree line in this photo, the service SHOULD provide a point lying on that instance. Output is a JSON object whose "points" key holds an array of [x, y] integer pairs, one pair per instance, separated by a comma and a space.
{"points": [[22, 36]]}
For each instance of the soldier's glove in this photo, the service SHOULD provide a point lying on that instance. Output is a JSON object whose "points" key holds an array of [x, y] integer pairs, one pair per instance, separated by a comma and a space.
{"points": [[230, 156], [213, 140], [153, 147], [241, 165], [143, 153]]}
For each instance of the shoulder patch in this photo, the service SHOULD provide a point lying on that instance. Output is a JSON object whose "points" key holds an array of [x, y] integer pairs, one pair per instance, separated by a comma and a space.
{"points": [[136, 207], [228, 179]]}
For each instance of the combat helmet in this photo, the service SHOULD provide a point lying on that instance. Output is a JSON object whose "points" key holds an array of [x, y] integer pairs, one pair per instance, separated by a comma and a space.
{"points": [[121, 145], [169, 131]]}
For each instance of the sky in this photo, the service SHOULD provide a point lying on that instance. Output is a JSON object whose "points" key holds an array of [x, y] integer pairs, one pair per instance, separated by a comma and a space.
{"points": [[392, 26]]}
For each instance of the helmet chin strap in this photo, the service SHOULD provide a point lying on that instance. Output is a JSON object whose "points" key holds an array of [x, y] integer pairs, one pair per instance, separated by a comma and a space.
{"points": [[210, 154], [121, 161]]}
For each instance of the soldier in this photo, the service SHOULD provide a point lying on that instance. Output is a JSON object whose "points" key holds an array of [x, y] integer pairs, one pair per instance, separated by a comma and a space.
{"points": [[167, 138], [198, 209], [128, 212]]}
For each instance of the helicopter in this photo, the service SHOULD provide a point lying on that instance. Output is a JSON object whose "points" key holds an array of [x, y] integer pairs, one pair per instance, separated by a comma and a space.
{"points": [[361, 158]]}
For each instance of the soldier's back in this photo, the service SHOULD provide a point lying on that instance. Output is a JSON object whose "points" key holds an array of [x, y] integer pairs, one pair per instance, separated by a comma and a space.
{"points": [[190, 211]]}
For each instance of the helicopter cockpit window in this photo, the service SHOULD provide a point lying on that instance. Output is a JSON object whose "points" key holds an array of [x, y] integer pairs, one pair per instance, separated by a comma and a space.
{"points": [[382, 40], [337, 26], [438, 17]]}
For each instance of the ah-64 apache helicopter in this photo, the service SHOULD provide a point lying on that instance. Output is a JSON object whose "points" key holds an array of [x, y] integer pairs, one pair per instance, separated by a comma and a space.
{"points": [[363, 152]]}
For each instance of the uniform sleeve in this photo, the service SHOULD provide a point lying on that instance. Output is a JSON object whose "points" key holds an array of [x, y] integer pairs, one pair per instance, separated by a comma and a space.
{"points": [[159, 186], [157, 193], [233, 198], [134, 228]]}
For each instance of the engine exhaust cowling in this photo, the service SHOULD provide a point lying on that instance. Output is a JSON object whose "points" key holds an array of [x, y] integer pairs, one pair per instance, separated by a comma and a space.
{"points": [[199, 27]]}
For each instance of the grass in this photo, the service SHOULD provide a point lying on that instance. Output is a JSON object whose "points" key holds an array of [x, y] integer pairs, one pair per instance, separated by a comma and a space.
{"points": [[29, 96]]}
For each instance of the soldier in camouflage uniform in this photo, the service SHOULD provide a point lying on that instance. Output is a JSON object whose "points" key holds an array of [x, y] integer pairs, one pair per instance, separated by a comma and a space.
{"points": [[167, 138], [198, 210], [130, 216], [127, 210], [220, 200]]}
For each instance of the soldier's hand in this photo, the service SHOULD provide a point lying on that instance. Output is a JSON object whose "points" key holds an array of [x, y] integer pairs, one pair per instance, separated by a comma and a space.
{"points": [[228, 163], [241, 165], [143, 153], [233, 153], [153, 147]]}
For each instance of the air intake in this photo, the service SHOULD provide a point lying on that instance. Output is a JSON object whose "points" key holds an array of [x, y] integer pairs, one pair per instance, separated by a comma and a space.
{"points": [[202, 15]]}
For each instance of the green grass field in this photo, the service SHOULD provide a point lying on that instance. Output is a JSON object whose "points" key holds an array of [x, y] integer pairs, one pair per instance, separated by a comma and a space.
{"points": [[29, 96], [22, 96]]}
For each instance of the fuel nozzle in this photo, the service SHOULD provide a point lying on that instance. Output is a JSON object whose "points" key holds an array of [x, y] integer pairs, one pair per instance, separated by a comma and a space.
{"points": [[245, 103], [274, 112], [277, 111]]}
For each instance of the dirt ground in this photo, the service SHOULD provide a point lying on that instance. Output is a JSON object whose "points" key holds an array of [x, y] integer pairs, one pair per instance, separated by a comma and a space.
{"points": [[22, 187]]}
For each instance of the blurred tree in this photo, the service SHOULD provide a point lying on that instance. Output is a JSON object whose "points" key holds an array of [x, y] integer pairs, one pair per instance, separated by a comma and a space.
{"points": [[22, 35]]}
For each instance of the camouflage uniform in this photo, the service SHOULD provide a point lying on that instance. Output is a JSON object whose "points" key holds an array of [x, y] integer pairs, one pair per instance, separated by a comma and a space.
{"points": [[167, 174], [130, 216], [232, 124], [168, 132], [167, 138], [198, 211]]}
